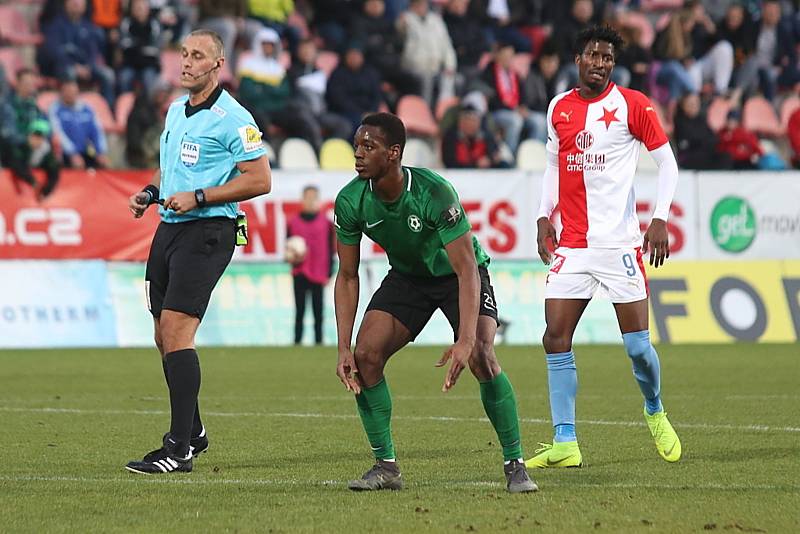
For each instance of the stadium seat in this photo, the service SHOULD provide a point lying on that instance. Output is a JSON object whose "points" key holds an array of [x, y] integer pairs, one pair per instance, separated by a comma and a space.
{"points": [[327, 61], [417, 116], [336, 155], [123, 107], [418, 153], [14, 27], [297, 154], [444, 104], [171, 67], [646, 162], [102, 111], [522, 64], [759, 116], [531, 155], [717, 113], [789, 106], [45, 99], [11, 61]]}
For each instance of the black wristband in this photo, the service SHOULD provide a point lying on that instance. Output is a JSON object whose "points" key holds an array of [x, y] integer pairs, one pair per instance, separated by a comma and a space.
{"points": [[200, 197], [153, 192]]}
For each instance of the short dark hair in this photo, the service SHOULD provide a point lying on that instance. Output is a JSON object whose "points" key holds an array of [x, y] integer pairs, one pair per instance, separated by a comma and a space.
{"points": [[394, 131], [603, 33], [310, 187], [219, 48]]}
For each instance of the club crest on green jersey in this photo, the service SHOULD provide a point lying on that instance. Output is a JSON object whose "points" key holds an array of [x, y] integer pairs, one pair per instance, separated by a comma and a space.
{"points": [[414, 223]]}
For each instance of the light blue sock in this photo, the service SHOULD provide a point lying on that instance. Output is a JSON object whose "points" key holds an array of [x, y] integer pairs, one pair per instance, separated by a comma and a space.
{"points": [[646, 368], [562, 377]]}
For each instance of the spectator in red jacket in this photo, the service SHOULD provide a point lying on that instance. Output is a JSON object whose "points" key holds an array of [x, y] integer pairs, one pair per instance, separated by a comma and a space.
{"points": [[468, 145], [739, 143]]}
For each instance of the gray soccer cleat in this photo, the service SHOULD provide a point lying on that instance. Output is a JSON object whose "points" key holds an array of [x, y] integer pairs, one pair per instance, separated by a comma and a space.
{"points": [[382, 475], [517, 479]]}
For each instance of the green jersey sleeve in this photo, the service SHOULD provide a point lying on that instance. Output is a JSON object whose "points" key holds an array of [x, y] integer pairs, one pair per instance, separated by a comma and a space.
{"points": [[446, 214], [346, 222]]}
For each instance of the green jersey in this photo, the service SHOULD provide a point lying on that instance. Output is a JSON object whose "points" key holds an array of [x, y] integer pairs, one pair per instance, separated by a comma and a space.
{"points": [[414, 229]]}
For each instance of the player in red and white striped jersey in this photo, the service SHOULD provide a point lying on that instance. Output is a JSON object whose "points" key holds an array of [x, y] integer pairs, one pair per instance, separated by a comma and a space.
{"points": [[595, 133]]}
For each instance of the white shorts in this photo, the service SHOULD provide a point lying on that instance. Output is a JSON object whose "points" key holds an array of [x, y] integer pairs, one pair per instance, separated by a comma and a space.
{"points": [[576, 273]]}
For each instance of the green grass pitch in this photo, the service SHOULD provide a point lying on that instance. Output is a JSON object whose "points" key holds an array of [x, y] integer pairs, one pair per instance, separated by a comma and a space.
{"points": [[285, 438]]}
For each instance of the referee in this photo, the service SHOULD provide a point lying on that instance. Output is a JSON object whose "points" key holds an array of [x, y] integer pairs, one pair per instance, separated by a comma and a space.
{"points": [[211, 158]]}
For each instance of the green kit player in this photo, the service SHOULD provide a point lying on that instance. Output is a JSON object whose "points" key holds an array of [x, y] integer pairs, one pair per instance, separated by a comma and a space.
{"points": [[415, 215]]}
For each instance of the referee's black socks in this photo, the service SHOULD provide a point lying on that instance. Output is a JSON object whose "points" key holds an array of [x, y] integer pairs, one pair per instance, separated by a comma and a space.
{"points": [[183, 378], [197, 424]]}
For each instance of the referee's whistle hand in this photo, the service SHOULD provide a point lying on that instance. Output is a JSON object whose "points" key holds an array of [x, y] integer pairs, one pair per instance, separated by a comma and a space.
{"points": [[138, 204], [183, 202]]}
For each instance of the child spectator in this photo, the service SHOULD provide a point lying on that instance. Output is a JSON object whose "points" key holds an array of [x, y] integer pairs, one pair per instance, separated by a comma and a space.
{"points": [[739, 143]]}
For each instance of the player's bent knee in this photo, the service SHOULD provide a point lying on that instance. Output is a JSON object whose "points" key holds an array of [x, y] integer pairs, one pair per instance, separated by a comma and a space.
{"points": [[637, 344], [368, 358], [554, 343]]}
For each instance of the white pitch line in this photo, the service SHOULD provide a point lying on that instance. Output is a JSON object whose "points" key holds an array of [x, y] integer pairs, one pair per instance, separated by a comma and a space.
{"points": [[337, 484], [599, 422]]}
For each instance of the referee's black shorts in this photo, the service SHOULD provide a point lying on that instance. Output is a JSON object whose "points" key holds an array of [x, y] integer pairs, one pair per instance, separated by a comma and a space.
{"points": [[412, 300], [186, 261]]}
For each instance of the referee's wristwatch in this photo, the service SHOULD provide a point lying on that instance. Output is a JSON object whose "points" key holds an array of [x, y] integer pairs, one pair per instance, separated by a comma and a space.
{"points": [[200, 198]]}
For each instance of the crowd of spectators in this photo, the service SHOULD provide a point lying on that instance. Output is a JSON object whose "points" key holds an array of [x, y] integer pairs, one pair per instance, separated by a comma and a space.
{"points": [[511, 56]]}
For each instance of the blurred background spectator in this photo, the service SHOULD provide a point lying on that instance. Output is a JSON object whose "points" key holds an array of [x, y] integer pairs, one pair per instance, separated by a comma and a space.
{"points": [[353, 88], [468, 145], [469, 40], [314, 269], [75, 47], [264, 89], [382, 47], [696, 143], [140, 41], [75, 123], [309, 84], [739, 143], [335, 60], [144, 126], [428, 52]]}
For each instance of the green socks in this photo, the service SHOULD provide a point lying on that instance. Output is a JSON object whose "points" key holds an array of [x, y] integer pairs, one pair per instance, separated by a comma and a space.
{"points": [[500, 405], [375, 409], [499, 402]]}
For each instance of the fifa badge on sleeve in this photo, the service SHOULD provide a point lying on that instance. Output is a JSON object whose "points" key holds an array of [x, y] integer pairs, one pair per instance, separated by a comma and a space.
{"points": [[241, 229]]}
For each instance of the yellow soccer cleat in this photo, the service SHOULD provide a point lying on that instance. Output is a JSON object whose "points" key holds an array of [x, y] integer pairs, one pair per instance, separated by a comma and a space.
{"points": [[557, 454], [667, 442]]}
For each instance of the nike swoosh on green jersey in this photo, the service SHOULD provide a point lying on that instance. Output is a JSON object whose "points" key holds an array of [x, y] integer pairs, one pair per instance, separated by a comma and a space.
{"points": [[373, 225]]}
